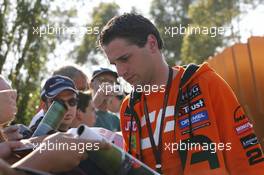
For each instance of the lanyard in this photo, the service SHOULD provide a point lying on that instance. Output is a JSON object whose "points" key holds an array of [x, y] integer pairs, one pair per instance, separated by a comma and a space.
{"points": [[157, 149]]}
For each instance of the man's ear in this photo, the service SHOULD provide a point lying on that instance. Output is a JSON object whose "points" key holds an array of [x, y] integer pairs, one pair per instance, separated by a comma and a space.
{"points": [[152, 43]]}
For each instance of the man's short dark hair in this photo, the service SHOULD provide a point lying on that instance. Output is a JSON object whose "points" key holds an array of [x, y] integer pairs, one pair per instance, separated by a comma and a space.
{"points": [[84, 99], [132, 27]]}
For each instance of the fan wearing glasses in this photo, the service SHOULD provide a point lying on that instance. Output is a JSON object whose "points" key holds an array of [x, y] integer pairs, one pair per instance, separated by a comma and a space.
{"points": [[60, 88]]}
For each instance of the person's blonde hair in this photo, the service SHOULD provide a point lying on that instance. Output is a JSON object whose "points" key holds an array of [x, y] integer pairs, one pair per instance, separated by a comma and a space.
{"points": [[72, 72]]}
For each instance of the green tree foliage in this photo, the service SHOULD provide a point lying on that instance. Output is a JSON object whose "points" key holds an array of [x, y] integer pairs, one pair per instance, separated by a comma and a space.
{"points": [[167, 14], [207, 15], [196, 14], [88, 48], [21, 45], [24, 53]]}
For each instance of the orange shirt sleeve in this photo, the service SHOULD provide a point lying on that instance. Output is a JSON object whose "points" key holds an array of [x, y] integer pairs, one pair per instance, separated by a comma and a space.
{"points": [[122, 124], [245, 156]]}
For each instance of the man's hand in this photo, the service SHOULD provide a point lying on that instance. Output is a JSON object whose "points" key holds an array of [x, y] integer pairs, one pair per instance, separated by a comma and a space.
{"points": [[12, 133], [6, 169], [57, 160], [105, 92], [6, 148]]}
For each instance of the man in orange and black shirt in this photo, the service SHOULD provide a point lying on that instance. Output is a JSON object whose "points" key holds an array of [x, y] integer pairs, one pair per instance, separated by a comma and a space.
{"points": [[174, 124]]}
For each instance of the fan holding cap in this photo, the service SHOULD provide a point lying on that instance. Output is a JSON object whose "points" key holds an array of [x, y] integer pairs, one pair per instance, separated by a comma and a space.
{"points": [[102, 80], [63, 89]]}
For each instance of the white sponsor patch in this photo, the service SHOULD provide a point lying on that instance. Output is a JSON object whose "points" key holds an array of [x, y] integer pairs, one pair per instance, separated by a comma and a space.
{"points": [[243, 128]]}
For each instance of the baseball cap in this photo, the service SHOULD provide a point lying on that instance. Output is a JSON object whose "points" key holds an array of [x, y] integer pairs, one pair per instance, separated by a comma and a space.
{"points": [[55, 85], [101, 71]]}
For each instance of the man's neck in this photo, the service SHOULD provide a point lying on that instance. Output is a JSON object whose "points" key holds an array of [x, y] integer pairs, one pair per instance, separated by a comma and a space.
{"points": [[160, 75]]}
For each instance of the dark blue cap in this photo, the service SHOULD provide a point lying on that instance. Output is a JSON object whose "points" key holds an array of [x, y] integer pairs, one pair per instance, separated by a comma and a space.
{"points": [[103, 70], [56, 85]]}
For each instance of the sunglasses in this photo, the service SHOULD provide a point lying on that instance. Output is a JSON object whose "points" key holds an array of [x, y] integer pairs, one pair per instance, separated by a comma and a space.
{"points": [[71, 102], [106, 80]]}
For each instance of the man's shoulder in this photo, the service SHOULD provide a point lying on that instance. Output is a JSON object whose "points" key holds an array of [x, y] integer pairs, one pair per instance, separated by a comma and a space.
{"points": [[113, 116], [203, 74], [106, 115]]}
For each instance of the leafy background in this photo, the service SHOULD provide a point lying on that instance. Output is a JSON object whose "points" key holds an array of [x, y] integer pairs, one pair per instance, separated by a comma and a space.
{"points": [[26, 58]]}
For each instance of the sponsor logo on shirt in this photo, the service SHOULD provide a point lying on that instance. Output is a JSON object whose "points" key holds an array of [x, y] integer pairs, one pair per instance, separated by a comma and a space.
{"points": [[239, 114], [193, 92], [249, 140], [195, 105], [198, 117], [133, 141], [196, 127], [243, 128], [128, 125]]}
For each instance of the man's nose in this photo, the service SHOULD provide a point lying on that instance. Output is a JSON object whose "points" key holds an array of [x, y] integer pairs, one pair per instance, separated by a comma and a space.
{"points": [[122, 70]]}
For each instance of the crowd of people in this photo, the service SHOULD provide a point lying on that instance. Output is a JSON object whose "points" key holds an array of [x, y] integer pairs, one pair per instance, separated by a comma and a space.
{"points": [[71, 86], [190, 105]]}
